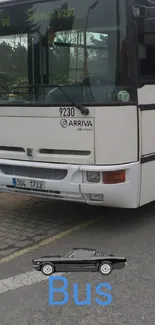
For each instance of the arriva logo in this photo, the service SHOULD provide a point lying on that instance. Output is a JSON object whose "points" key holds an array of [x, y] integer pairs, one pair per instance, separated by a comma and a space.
{"points": [[76, 123], [75, 294]]}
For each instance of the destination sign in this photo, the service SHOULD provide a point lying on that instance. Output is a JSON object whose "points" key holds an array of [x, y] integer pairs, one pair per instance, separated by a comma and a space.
{"points": [[29, 16], [8, 16], [46, 15]]}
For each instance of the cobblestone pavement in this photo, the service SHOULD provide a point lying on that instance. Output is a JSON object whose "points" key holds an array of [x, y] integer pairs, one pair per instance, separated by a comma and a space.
{"points": [[24, 221]]}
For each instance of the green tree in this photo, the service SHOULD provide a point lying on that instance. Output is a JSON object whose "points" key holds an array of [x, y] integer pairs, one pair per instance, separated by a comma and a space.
{"points": [[13, 50]]}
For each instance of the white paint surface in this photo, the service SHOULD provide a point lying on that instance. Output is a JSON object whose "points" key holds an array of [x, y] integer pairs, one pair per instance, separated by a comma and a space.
{"points": [[22, 280]]}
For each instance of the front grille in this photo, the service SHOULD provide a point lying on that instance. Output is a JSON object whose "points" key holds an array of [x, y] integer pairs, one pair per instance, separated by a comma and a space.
{"points": [[65, 152], [12, 149], [43, 173]]}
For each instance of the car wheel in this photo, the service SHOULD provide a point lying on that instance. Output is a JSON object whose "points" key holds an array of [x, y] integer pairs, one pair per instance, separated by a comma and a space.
{"points": [[47, 269], [105, 268]]}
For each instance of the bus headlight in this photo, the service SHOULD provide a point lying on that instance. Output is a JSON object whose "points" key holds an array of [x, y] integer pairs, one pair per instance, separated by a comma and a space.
{"points": [[93, 177]]}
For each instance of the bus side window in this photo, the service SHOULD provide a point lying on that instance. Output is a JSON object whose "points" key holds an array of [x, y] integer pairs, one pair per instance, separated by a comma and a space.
{"points": [[146, 46], [146, 57]]}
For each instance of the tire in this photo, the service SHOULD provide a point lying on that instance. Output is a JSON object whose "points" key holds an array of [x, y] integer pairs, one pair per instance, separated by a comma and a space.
{"points": [[47, 269], [105, 268]]}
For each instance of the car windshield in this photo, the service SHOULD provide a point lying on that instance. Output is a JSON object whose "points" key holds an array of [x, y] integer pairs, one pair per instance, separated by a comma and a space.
{"points": [[70, 254], [79, 45]]}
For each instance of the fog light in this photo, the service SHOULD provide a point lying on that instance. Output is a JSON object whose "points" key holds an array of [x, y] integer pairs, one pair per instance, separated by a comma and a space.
{"points": [[93, 177], [96, 197]]}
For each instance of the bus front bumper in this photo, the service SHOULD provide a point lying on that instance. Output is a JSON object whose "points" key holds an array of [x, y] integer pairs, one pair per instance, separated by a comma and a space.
{"points": [[75, 185]]}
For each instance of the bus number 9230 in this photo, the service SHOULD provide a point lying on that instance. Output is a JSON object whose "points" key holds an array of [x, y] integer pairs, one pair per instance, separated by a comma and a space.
{"points": [[67, 111]]}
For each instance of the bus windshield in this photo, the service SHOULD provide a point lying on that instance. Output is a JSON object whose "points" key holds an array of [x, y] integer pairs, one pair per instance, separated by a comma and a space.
{"points": [[78, 45]]}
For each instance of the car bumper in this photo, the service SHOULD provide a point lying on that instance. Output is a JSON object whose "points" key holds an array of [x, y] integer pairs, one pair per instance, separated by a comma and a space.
{"points": [[120, 265], [36, 267], [75, 187]]}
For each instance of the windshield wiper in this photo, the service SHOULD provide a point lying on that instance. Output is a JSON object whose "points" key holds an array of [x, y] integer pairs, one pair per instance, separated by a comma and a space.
{"points": [[80, 107]]}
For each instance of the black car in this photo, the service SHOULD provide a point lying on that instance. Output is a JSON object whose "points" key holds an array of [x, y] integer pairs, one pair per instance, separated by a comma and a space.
{"points": [[79, 260]]}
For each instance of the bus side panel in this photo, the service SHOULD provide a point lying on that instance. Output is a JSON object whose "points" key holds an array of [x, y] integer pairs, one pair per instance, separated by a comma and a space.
{"points": [[148, 154], [116, 135]]}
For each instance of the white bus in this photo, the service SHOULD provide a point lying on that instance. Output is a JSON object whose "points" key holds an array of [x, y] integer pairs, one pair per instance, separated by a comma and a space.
{"points": [[77, 100]]}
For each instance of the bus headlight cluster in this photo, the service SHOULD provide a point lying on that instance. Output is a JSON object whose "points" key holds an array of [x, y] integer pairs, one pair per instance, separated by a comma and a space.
{"points": [[93, 177]]}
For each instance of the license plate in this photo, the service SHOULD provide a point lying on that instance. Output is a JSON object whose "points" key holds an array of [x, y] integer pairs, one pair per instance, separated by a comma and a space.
{"points": [[28, 183]]}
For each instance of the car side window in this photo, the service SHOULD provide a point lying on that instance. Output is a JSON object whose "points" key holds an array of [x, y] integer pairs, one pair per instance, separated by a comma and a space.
{"points": [[80, 254]]}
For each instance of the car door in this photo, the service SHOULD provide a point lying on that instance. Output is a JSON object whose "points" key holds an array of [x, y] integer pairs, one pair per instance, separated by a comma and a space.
{"points": [[82, 261], [73, 263], [65, 264]]}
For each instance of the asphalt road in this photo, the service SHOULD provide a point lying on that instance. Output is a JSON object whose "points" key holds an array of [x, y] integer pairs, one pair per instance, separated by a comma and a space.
{"points": [[24, 293]]}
